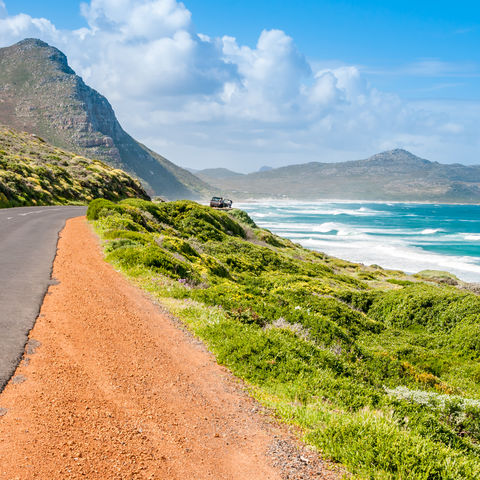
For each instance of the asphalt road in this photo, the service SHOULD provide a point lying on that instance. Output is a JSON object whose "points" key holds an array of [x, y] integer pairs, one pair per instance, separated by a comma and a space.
{"points": [[28, 243]]}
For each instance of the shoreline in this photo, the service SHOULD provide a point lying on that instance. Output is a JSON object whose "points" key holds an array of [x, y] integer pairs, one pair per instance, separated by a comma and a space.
{"points": [[336, 200], [394, 243]]}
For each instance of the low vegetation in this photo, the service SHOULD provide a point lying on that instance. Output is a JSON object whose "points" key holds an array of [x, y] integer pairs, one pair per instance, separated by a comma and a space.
{"points": [[32, 172], [381, 370]]}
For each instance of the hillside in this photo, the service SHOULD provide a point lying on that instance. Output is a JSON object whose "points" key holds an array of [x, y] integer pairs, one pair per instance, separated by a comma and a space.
{"points": [[41, 94], [218, 173], [33, 172], [395, 175], [379, 369]]}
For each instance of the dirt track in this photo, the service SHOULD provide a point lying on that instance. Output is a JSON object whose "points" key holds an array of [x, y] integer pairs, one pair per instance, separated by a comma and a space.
{"points": [[111, 389]]}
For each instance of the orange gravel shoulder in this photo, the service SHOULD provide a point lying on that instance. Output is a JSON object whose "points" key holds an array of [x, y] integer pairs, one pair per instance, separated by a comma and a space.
{"points": [[109, 388]]}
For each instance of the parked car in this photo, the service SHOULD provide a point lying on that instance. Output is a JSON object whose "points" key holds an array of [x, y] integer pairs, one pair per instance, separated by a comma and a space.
{"points": [[220, 202], [216, 202]]}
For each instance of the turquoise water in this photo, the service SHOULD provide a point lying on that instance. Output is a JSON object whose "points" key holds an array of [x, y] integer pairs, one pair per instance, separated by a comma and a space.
{"points": [[404, 236]]}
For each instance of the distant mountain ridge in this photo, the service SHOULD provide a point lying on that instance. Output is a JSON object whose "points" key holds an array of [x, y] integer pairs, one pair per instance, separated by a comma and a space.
{"points": [[41, 94], [394, 175], [218, 173]]}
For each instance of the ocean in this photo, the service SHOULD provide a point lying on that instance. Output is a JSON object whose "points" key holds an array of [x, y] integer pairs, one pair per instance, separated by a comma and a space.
{"points": [[401, 236]]}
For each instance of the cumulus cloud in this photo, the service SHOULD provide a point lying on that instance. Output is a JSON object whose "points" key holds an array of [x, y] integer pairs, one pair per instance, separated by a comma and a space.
{"points": [[140, 48], [138, 18], [17, 27], [202, 100]]}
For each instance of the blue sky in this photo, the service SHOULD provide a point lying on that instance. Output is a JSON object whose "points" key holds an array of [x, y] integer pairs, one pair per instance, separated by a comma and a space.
{"points": [[423, 49], [421, 59]]}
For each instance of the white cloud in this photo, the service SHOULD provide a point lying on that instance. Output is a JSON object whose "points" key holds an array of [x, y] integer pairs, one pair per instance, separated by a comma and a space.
{"points": [[22, 26], [270, 77], [137, 18], [325, 91], [202, 100]]}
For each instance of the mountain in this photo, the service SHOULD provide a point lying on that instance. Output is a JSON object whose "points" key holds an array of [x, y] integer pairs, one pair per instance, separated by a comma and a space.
{"points": [[395, 175], [33, 172], [41, 94], [211, 173]]}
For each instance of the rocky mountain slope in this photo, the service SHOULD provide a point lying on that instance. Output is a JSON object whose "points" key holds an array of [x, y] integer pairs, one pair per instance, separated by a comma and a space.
{"points": [[220, 173], [395, 175], [41, 94], [33, 172]]}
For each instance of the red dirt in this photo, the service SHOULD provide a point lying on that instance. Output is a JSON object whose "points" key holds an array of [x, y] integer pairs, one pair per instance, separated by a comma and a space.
{"points": [[115, 391]]}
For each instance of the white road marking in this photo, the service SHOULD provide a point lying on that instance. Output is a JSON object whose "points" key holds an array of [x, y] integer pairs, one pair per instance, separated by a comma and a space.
{"points": [[37, 211], [42, 210]]}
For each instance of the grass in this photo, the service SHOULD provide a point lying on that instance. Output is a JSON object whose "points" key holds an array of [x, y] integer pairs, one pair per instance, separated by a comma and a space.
{"points": [[379, 369], [32, 172]]}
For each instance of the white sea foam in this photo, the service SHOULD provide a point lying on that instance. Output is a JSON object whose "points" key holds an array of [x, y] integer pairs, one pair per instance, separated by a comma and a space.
{"points": [[361, 212], [340, 229], [259, 214], [397, 256], [472, 237], [300, 230], [315, 208], [395, 245]]}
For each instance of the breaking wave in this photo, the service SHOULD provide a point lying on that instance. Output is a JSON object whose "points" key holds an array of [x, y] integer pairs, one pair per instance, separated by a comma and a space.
{"points": [[404, 237]]}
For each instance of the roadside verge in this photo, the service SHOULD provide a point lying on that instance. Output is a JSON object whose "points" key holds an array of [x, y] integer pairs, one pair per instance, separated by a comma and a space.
{"points": [[110, 388]]}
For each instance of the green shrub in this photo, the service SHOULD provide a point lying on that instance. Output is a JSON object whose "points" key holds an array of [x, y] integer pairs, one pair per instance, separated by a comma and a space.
{"points": [[153, 258], [397, 281], [35, 173], [373, 445], [425, 305], [465, 338], [179, 245], [328, 351], [242, 217], [137, 237], [96, 206], [4, 201]]}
